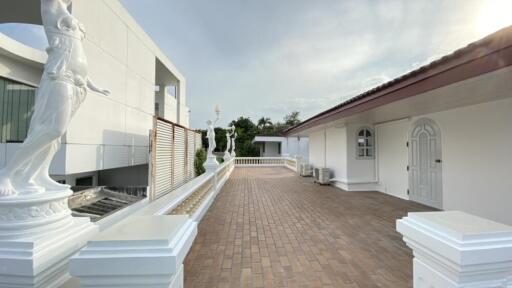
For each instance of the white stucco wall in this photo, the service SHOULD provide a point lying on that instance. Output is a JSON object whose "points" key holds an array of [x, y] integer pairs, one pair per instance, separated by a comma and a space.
{"points": [[392, 158], [336, 148], [271, 149], [290, 146], [477, 159], [294, 146], [359, 170], [106, 132], [317, 148]]}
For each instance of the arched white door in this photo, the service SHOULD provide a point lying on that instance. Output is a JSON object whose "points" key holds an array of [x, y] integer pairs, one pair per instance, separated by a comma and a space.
{"points": [[425, 163]]}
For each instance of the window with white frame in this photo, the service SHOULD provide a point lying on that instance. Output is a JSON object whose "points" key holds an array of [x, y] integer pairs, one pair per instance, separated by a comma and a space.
{"points": [[365, 144]]}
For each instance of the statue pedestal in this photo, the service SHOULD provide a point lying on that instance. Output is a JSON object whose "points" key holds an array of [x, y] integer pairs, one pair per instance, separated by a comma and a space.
{"points": [[227, 156], [211, 164], [37, 237]]}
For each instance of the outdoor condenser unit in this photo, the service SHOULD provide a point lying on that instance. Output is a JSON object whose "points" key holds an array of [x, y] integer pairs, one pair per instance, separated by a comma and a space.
{"points": [[305, 170], [315, 174], [324, 176]]}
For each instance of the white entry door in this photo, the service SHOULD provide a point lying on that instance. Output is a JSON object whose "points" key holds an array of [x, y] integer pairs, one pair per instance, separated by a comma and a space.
{"points": [[425, 163]]}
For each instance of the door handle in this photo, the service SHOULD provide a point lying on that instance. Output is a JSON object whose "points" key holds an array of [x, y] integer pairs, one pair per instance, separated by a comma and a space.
{"points": [[438, 161]]}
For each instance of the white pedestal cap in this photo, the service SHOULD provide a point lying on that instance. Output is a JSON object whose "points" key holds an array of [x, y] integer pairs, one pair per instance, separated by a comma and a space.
{"points": [[456, 249], [145, 251]]}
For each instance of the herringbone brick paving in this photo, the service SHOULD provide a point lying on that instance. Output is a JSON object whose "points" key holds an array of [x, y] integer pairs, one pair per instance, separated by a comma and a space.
{"points": [[271, 228]]}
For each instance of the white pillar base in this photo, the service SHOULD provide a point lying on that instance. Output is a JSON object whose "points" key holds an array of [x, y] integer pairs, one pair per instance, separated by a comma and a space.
{"points": [[227, 157], [145, 251], [211, 165], [458, 250], [42, 262]]}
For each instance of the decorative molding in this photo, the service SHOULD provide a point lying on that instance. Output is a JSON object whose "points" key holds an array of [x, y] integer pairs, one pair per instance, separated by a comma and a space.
{"points": [[37, 211], [158, 243], [453, 249], [43, 261]]}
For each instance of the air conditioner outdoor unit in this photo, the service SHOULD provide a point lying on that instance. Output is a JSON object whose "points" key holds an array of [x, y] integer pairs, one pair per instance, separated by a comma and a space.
{"points": [[315, 174], [324, 176], [305, 170]]}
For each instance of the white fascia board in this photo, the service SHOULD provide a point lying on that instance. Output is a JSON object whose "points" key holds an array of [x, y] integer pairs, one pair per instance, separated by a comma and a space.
{"points": [[268, 139], [21, 52]]}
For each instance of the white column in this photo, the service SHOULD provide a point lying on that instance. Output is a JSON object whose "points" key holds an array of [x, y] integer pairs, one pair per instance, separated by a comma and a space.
{"points": [[144, 251], [454, 250], [298, 163]]}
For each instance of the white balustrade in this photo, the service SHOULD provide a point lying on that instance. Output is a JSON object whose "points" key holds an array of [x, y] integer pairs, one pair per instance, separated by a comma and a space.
{"points": [[288, 162], [147, 249]]}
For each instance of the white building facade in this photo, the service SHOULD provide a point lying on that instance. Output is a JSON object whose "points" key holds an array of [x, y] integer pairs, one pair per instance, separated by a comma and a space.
{"points": [[109, 136], [276, 146], [440, 135]]}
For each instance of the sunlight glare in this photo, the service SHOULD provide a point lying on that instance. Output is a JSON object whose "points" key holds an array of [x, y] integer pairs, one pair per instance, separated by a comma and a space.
{"points": [[494, 15]]}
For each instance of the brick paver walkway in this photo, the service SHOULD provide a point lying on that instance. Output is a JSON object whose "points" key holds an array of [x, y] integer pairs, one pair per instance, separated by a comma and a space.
{"points": [[271, 228]]}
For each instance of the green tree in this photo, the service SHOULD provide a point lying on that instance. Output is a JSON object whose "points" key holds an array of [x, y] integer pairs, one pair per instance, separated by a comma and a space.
{"points": [[264, 122], [292, 119], [246, 131]]}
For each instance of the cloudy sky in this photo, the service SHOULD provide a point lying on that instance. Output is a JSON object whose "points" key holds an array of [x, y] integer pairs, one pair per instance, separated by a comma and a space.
{"points": [[269, 57]]}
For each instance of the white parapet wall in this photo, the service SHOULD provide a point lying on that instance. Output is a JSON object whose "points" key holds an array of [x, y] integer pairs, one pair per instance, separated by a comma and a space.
{"points": [[148, 248], [457, 250]]}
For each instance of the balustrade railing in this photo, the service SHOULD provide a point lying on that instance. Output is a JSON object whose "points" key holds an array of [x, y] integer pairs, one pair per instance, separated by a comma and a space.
{"points": [[288, 162]]}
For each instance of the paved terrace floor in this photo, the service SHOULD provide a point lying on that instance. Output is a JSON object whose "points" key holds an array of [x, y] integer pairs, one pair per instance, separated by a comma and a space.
{"points": [[271, 228]]}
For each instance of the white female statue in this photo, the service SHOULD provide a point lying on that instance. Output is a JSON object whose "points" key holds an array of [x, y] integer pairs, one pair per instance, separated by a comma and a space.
{"points": [[211, 161], [233, 143], [210, 134], [63, 88], [229, 133]]}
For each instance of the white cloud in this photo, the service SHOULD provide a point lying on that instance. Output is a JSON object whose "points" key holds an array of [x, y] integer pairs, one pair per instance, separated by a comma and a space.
{"points": [[267, 57]]}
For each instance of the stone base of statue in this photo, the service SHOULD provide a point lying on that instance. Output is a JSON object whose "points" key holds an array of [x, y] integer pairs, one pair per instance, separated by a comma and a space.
{"points": [[211, 164], [227, 156], [38, 235]]}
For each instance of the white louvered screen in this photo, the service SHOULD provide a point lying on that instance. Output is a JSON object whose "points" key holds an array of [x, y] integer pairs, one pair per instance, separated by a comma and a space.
{"points": [[199, 141], [180, 157], [173, 156], [191, 151], [163, 159], [198, 145]]}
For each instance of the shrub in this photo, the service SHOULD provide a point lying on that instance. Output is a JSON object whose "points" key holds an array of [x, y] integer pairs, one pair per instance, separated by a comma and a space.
{"points": [[199, 159]]}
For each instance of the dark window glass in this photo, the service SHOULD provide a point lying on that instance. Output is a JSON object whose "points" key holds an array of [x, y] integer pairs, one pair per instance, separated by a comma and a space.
{"points": [[85, 181], [16, 109]]}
